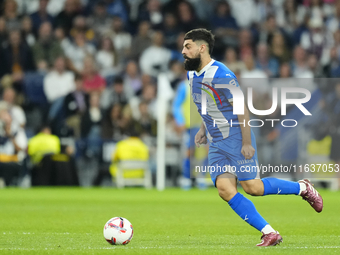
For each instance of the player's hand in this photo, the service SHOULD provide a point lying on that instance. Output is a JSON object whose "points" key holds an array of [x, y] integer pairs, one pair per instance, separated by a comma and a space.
{"points": [[200, 138], [248, 151]]}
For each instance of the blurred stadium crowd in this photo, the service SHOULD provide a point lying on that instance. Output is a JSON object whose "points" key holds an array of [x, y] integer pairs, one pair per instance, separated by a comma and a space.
{"points": [[86, 70]]}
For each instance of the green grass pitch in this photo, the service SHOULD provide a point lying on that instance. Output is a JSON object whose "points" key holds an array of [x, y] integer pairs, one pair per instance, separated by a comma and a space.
{"points": [[71, 221]]}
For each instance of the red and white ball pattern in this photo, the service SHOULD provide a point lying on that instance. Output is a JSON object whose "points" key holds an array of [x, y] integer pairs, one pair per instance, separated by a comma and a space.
{"points": [[118, 230]]}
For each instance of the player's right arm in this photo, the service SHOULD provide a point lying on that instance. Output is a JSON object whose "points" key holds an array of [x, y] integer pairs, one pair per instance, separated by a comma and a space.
{"points": [[201, 137]]}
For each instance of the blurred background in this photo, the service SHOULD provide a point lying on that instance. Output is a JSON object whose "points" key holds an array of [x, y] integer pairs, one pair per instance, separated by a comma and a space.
{"points": [[85, 84]]}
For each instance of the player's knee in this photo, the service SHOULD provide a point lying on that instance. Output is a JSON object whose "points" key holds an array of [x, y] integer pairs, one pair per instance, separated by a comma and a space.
{"points": [[226, 193]]}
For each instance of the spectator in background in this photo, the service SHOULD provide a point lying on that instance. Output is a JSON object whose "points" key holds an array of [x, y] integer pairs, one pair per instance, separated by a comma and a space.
{"points": [[118, 8], [245, 43], [303, 27], [3, 32], [100, 20], [80, 24], [331, 108], [285, 79], [149, 96], [46, 50], [27, 31], [205, 9], [146, 81], [244, 12], [41, 16], [171, 30], [256, 79], [337, 41], [155, 59], [317, 9], [175, 73], [333, 68], [66, 17], [231, 60], [54, 7], [315, 66], [91, 125], [121, 39], [60, 37], [130, 149], [264, 62], [92, 79], [299, 64], [16, 56], [224, 25], [58, 82], [28, 7], [78, 50], [16, 112], [317, 41], [114, 123], [75, 105], [333, 22], [279, 49], [176, 54], [187, 17], [251, 71], [264, 9], [270, 28], [285, 71], [132, 79], [106, 57], [42, 144], [115, 94], [152, 13], [11, 15], [13, 144], [146, 124], [141, 41], [290, 16]]}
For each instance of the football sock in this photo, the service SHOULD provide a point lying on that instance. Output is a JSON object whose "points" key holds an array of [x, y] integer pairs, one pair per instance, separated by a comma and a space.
{"points": [[247, 211], [303, 187], [280, 187], [267, 229]]}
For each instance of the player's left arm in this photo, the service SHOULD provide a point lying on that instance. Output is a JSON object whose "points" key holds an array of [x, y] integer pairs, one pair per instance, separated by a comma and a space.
{"points": [[247, 149]]}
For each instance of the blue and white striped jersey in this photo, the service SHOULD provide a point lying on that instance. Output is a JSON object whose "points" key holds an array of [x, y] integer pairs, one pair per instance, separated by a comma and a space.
{"points": [[218, 100]]}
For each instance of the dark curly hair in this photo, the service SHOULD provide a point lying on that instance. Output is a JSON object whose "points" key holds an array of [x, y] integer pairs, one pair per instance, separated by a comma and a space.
{"points": [[201, 34]]}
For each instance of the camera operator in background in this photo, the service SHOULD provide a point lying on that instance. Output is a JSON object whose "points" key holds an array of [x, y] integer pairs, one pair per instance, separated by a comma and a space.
{"points": [[13, 144]]}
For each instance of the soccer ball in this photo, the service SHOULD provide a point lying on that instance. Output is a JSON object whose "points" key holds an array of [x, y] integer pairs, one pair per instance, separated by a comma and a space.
{"points": [[118, 230]]}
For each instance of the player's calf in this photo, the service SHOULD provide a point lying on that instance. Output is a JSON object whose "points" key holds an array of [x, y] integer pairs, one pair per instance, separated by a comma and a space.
{"points": [[253, 187]]}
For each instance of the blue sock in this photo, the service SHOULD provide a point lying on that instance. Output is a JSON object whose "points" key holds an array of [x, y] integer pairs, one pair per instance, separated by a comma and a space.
{"points": [[186, 168], [280, 187], [247, 211]]}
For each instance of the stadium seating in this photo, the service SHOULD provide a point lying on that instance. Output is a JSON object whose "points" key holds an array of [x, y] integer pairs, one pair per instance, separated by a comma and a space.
{"points": [[124, 166]]}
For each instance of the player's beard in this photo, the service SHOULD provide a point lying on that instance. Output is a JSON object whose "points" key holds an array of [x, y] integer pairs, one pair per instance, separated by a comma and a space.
{"points": [[191, 64]]}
